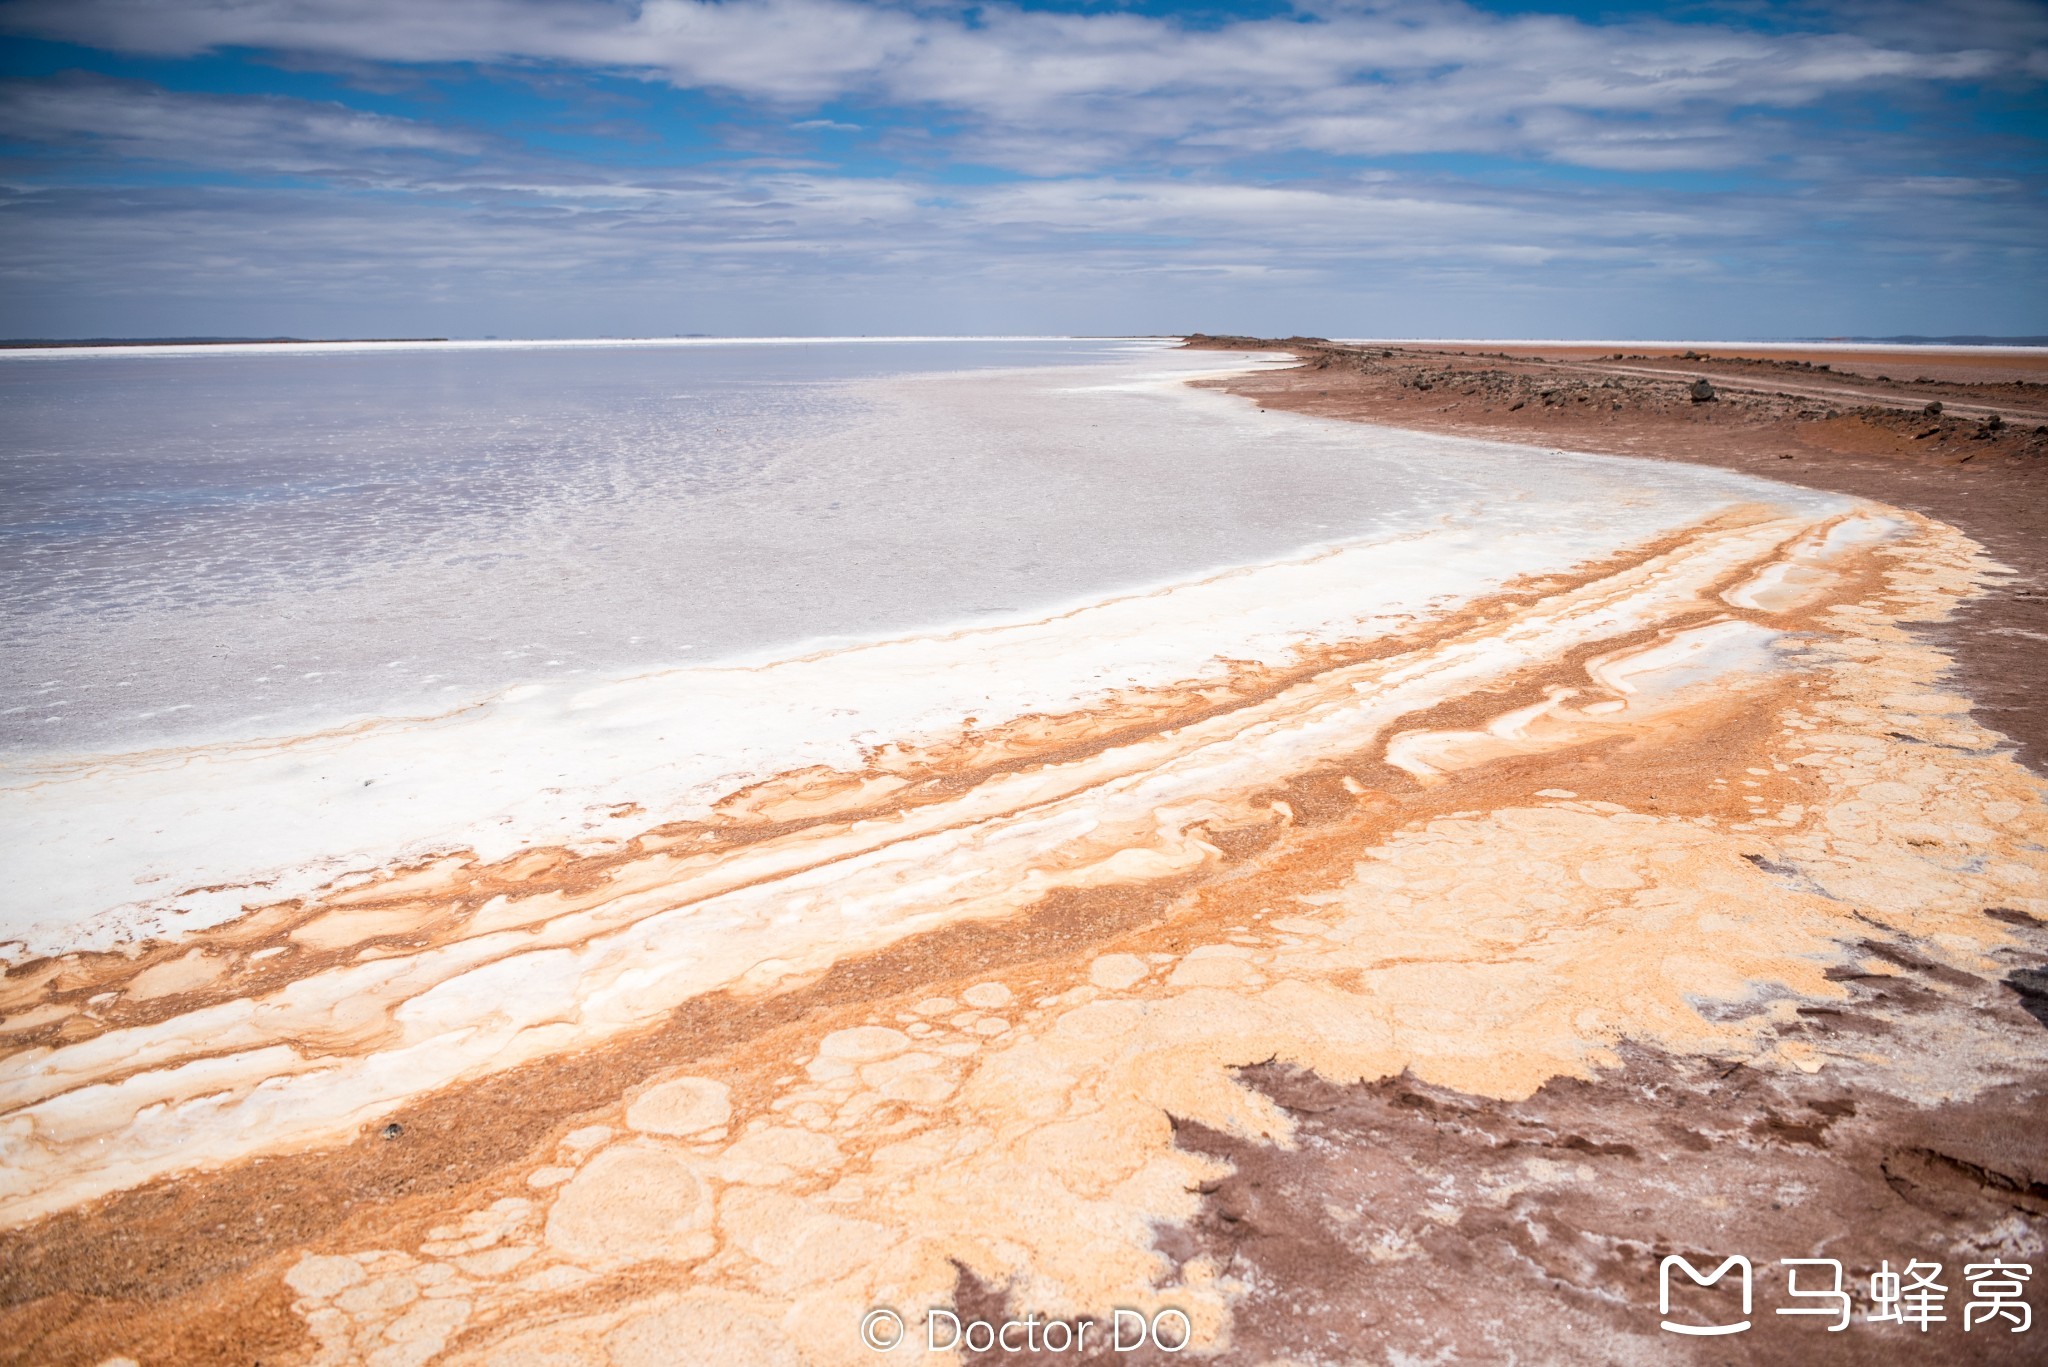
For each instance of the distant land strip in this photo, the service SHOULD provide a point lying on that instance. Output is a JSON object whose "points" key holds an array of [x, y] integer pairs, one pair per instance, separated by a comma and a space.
{"points": [[19, 343]]}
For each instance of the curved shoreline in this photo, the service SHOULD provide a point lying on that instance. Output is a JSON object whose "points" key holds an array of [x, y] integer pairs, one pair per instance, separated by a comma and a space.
{"points": [[1703, 810], [1864, 435]]}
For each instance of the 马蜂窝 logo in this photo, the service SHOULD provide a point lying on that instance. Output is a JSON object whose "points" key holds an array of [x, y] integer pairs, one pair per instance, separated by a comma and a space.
{"points": [[1914, 1297], [1664, 1270]]}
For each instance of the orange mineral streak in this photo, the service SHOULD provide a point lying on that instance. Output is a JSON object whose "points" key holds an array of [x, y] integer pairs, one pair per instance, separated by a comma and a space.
{"points": [[865, 1030]]}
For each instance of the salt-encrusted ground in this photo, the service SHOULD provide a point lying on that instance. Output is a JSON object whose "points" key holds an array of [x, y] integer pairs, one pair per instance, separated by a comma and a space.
{"points": [[993, 1019]]}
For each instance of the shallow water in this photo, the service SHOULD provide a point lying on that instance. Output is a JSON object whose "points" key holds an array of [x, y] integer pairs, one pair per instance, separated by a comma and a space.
{"points": [[200, 546], [198, 542]]}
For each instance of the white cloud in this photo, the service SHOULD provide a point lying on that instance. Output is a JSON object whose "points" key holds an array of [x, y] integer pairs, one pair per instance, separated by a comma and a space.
{"points": [[1050, 91], [479, 234], [1155, 152], [246, 134], [752, 250]]}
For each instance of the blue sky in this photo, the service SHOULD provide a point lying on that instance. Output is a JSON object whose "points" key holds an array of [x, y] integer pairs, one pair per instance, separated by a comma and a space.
{"points": [[637, 167]]}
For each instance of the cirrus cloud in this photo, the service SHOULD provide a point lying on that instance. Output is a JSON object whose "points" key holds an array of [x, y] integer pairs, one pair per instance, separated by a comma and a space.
{"points": [[774, 155], [1406, 77]]}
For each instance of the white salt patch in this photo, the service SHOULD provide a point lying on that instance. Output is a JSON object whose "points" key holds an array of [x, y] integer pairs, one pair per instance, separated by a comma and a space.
{"points": [[233, 826]]}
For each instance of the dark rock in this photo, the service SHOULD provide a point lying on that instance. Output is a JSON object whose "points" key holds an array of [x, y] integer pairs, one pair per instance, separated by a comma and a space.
{"points": [[2031, 986], [1933, 409], [1702, 392], [393, 1130]]}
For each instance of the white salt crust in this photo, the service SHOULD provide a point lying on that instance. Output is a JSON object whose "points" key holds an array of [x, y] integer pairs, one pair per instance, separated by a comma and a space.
{"points": [[333, 1051], [110, 849]]}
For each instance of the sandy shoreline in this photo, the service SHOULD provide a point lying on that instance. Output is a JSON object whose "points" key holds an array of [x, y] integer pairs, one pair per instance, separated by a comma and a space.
{"points": [[1417, 993], [1857, 428]]}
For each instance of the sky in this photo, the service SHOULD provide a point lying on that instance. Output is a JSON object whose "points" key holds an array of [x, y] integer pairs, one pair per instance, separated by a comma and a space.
{"points": [[1418, 168]]}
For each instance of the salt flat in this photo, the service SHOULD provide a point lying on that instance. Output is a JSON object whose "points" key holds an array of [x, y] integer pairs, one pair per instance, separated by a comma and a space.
{"points": [[924, 940]]}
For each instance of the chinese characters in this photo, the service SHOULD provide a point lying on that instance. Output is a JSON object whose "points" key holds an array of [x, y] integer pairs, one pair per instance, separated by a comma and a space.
{"points": [[1917, 1296]]}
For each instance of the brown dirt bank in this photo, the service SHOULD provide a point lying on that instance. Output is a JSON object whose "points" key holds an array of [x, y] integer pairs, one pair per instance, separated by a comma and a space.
{"points": [[1415, 1223], [1851, 422]]}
